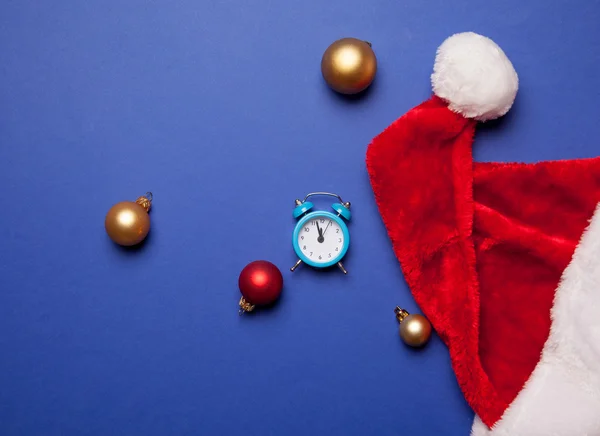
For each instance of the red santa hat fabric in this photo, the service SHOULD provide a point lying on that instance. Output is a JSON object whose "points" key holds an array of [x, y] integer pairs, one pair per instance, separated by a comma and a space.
{"points": [[503, 258]]}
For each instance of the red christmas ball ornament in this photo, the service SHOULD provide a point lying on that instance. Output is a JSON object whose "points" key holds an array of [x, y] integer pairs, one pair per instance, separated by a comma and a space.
{"points": [[260, 283]]}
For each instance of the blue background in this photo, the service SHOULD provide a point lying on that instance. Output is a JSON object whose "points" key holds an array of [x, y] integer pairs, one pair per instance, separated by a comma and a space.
{"points": [[219, 109]]}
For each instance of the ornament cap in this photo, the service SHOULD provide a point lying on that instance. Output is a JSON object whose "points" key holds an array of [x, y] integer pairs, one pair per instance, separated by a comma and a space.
{"points": [[145, 201], [245, 306], [400, 313]]}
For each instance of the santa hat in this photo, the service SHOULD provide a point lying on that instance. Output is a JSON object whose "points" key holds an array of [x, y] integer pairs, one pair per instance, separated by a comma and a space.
{"points": [[503, 258]]}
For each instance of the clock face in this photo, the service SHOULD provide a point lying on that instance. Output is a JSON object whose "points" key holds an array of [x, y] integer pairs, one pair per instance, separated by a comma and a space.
{"points": [[321, 239]]}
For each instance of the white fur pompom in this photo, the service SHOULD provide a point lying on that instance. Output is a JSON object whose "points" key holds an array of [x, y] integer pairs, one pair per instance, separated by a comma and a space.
{"points": [[474, 76]]}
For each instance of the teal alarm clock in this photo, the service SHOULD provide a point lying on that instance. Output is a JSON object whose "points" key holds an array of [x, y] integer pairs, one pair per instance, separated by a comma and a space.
{"points": [[321, 238]]}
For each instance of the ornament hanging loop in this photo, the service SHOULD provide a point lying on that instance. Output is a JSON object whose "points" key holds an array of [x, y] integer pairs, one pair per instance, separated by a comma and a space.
{"points": [[145, 201]]}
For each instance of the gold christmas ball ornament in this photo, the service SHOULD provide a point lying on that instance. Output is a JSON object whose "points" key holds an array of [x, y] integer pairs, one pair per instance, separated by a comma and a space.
{"points": [[415, 330], [127, 223], [349, 65]]}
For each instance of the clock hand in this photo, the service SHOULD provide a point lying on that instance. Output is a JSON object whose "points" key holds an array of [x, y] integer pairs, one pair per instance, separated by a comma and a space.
{"points": [[326, 227], [320, 239]]}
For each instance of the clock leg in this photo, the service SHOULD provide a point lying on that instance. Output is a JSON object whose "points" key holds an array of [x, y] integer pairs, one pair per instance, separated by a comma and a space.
{"points": [[342, 267], [296, 266]]}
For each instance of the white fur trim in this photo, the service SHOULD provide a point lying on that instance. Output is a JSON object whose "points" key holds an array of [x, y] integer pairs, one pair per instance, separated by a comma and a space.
{"points": [[562, 396], [474, 76]]}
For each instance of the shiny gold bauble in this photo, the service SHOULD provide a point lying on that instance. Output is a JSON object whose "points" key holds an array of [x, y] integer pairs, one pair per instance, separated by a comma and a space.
{"points": [[349, 65], [415, 330], [128, 223]]}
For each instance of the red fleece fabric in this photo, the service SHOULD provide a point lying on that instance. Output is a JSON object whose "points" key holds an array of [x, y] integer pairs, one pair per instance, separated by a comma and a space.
{"points": [[482, 246]]}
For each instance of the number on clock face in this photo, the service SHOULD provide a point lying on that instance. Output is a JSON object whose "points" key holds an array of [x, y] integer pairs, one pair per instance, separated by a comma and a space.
{"points": [[321, 239]]}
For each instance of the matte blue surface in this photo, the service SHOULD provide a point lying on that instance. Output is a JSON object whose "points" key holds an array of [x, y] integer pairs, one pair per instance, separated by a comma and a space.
{"points": [[328, 215], [218, 107]]}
